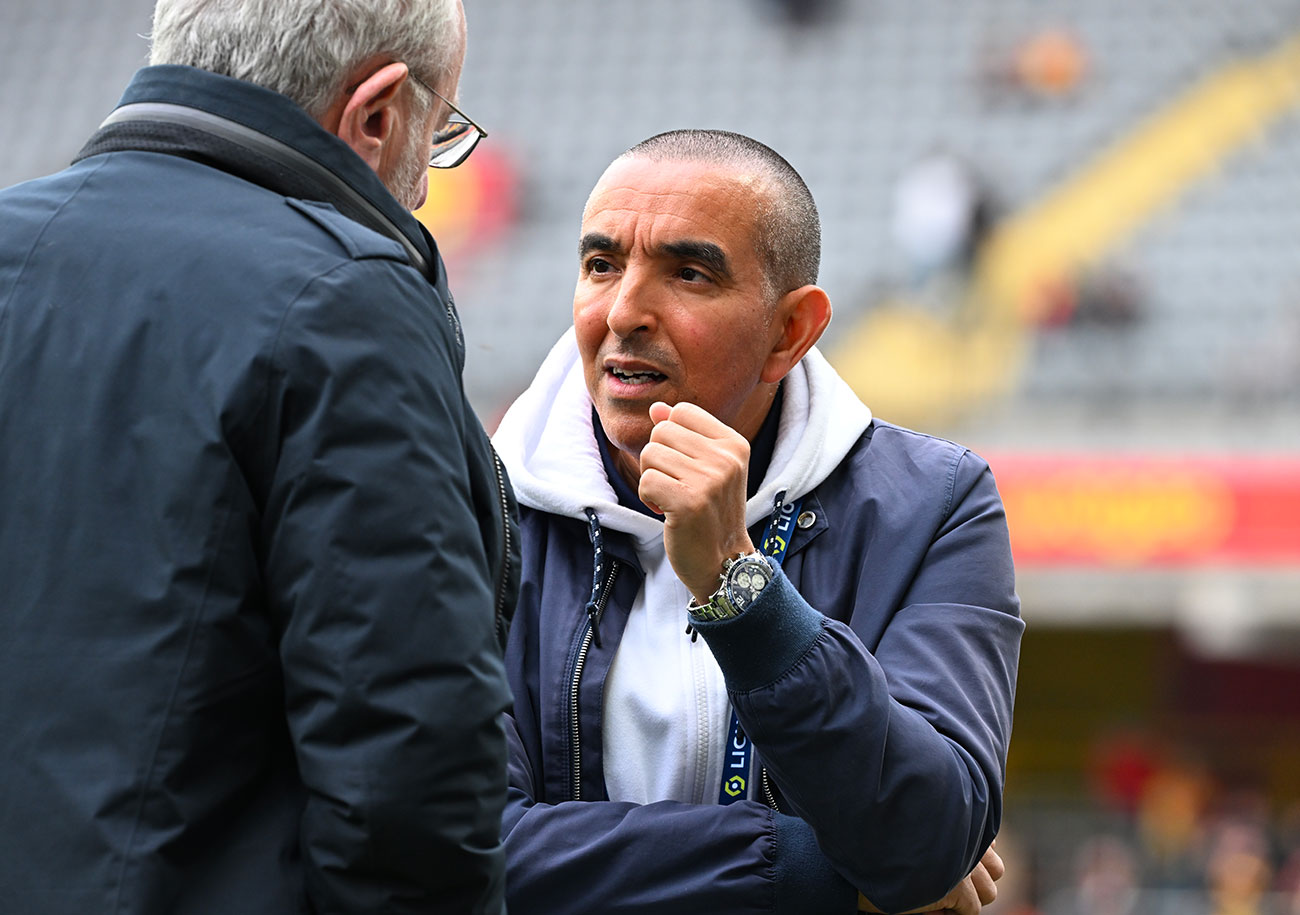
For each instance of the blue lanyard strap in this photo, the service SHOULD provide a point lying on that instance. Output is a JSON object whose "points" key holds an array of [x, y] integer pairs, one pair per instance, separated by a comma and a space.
{"points": [[739, 755], [735, 764], [777, 539]]}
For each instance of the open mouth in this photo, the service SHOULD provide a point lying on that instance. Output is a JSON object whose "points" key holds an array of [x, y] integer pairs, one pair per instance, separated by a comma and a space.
{"points": [[636, 378]]}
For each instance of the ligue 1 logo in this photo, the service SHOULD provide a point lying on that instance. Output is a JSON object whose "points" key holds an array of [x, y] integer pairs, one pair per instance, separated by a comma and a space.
{"points": [[735, 786]]}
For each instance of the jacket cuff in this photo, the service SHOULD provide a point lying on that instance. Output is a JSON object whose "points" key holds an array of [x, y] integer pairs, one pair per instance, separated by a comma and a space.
{"points": [[805, 880], [757, 647]]}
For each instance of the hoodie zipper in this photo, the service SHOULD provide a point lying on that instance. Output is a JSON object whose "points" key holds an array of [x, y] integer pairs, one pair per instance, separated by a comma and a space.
{"points": [[575, 744], [506, 545]]}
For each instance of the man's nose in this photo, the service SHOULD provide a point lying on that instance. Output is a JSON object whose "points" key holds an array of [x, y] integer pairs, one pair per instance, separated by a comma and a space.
{"points": [[633, 308]]}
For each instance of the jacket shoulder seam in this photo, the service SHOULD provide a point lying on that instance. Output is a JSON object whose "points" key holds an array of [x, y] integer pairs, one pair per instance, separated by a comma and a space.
{"points": [[360, 242], [36, 242]]}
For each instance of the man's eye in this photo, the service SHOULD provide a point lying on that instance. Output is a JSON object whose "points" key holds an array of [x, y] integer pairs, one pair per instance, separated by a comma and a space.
{"points": [[599, 265], [691, 275]]}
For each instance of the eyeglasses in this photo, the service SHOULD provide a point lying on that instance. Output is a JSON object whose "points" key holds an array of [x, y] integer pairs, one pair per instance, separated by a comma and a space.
{"points": [[453, 143]]}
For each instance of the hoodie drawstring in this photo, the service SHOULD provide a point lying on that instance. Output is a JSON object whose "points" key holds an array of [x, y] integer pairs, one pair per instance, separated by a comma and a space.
{"points": [[600, 585]]}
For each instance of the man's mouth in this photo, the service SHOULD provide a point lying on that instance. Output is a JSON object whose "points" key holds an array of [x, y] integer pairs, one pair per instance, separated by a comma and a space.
{"points": [[636, 378]]}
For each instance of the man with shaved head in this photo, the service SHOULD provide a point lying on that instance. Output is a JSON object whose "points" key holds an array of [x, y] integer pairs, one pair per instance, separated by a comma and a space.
{"points": [[765, 653]]}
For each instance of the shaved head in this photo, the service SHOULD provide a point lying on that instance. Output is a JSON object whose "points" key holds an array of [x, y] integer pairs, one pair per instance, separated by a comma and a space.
{"points": [[789, 229]]}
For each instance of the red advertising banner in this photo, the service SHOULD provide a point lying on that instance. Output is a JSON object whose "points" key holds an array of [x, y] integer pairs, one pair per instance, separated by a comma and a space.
{"points": [[1134, 511]]}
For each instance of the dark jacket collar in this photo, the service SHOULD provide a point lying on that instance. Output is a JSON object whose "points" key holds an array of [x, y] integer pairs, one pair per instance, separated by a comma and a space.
{"points": [[276, 117]]}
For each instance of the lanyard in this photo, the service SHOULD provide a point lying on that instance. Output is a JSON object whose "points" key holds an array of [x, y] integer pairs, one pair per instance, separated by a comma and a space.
{"points": [[739, 755]]}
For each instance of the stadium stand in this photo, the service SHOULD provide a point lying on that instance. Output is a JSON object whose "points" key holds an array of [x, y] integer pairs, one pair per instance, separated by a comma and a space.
{"points": [[852, 101], [1146, 152]]}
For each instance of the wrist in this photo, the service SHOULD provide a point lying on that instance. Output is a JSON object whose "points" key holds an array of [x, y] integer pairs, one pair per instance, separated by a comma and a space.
{"points": [[767, 640], [703, 588], [742, 581]]}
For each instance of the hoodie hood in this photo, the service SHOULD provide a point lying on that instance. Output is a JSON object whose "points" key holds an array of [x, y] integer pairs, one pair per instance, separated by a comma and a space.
{"points": [[549, 448]]}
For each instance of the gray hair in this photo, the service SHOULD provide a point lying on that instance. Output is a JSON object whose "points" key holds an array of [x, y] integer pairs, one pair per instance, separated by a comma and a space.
{"points": [[305, 49], [790, 234]]}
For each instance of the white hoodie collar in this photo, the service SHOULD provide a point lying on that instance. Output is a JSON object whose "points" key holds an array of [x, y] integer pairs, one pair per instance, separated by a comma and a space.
{"points": [[549, 448]]}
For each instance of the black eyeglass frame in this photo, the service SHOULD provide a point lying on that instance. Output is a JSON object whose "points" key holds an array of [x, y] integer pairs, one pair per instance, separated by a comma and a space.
{"points": [[479, 132]]}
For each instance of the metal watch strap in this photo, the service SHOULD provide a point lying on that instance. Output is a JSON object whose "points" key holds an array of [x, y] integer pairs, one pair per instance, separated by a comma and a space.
{"points": [[720, 605]]}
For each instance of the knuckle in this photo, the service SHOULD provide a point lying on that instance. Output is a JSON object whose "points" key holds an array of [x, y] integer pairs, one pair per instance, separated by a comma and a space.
{"points": [[682, 410]]}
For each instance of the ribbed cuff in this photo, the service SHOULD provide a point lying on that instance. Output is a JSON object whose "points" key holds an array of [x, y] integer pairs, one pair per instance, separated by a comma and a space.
{"points": [[765, 641], [805, 880]]}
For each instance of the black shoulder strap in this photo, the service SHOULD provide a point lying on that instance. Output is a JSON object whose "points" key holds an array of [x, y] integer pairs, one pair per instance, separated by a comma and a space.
{"points": [[230, 146]]}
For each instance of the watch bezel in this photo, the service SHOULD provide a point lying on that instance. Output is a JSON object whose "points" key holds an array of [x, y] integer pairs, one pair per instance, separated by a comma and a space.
{"points": [[726, 602], [742, 597]]}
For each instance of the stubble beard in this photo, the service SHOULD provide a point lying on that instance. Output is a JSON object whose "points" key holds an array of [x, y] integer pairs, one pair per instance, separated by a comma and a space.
{"points": [[406, 182]]}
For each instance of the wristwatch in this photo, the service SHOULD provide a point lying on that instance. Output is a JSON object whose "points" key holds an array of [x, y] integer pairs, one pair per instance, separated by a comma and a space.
{"points": [[743, 580]]}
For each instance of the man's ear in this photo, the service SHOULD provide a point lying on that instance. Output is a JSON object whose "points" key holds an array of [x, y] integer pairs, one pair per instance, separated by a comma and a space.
{"points": [[370, 115], [803, 315]]}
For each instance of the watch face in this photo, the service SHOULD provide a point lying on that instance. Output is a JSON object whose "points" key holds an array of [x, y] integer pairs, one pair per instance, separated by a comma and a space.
{"points": [[746, 581]]}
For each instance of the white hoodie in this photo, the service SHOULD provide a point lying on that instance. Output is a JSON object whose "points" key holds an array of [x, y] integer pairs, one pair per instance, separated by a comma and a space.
{"points": [[666, 711]]}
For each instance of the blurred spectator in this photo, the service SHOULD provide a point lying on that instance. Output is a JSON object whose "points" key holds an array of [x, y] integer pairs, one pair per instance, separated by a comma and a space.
{"points": [[1190, 848], [1106, 881], [1121, 766], [1238, 870], [1288, 846], [1171, 825], [1105, 296], [804, 13], [942, 213], [1049, 65]]}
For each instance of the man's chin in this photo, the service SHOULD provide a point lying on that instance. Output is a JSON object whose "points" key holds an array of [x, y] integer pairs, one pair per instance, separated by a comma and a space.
{"points": [[627, 427], [414, 197], [409, 184]]}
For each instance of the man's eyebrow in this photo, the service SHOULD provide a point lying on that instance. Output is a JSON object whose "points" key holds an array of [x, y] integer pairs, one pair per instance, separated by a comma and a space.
{"points": [[595, 241], [706, 252]]}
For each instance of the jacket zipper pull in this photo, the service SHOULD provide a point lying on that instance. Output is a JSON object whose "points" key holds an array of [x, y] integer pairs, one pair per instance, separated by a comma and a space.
{"points": [[593, 618]]}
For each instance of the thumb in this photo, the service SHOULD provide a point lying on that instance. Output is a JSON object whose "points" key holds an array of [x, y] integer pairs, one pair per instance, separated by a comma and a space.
{"points": [[659, 411]]}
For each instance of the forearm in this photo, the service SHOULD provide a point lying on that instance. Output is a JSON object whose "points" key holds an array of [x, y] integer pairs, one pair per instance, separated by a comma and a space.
{"points": [[584, 856], [378, 583], [902, 807], [395, 706], [409, 844]]}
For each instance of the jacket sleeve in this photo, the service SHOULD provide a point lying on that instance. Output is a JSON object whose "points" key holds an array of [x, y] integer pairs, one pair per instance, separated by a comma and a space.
{"points": [[913, 736], [378, 581], [614, 857]]}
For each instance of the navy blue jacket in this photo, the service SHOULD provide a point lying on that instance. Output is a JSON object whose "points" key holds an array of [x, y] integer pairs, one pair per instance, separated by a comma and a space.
{"points": [[876, 679], [255, 550]]}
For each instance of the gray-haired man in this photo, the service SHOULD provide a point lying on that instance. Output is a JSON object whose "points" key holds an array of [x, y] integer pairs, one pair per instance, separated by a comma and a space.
{"points": [[256, 552]]}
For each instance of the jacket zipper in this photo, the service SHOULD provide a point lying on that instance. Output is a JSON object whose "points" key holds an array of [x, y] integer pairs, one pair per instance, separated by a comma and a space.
{"points": [[454, 320], [766, 783], [575, 742], [506, 544]]}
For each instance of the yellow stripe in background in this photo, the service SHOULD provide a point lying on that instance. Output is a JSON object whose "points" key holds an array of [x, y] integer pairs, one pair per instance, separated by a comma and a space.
{"points": [[915, 368], [1125, 186]]}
